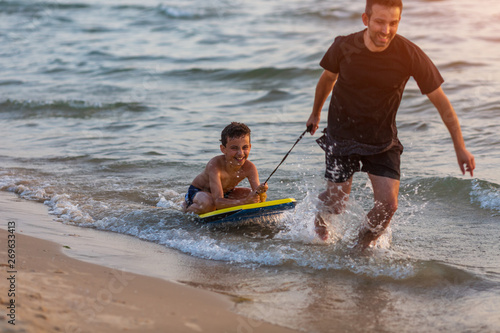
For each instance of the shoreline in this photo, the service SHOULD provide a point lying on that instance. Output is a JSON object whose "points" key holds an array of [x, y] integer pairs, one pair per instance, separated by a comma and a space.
{"points": [[54, 292]]}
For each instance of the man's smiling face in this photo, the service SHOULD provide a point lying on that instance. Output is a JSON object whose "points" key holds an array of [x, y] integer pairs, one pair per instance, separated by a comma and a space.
{"points": [[382, 26]]}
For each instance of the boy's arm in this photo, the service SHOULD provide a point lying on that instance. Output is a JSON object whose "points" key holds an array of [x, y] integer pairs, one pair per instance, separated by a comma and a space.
{"points": [[253, 179], [216, 189], [218, 192]]}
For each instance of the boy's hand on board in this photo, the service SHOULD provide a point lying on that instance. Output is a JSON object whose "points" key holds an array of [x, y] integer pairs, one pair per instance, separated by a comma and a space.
{"points": [[253, 197]]}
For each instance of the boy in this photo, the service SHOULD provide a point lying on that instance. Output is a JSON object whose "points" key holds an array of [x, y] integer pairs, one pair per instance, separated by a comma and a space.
{"points": [[215, 188]]}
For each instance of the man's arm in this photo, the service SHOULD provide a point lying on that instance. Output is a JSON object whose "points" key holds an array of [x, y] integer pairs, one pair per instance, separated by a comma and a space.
{"points": [[450, 119], [323, 89]]}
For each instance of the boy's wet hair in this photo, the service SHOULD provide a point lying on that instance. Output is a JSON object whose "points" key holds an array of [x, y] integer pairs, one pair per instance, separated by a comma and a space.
{"points": [[385, 3], [234, 130]]}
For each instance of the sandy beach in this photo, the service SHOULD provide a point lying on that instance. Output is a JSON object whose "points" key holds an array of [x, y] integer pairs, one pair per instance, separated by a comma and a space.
{"points": [[52, 292]]}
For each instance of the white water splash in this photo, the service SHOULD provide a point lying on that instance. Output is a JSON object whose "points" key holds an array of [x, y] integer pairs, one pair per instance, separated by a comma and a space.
{"points": [[486, 197]]}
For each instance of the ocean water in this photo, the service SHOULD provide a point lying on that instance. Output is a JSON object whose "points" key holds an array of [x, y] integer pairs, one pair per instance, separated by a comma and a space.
{"points": [[109, 108]]}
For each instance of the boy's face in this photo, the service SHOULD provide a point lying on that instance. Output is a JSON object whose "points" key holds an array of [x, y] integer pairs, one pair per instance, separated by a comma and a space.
{"points": [[237, 150]]}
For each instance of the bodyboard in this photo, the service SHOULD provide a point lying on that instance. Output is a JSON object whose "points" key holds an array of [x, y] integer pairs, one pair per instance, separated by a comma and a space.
{"points": [[244, 213]]}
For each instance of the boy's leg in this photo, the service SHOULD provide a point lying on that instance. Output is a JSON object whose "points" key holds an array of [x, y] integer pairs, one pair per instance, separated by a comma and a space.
{"points": [[202, 203], [334, 200], [238, 193], [385, 195]]}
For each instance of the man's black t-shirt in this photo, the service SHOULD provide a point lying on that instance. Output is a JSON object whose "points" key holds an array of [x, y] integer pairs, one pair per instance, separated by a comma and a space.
{"points": [[369, 89]]}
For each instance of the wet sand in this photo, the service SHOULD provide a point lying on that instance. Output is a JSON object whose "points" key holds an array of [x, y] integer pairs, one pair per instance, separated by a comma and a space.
{"points": [[53, 292]]}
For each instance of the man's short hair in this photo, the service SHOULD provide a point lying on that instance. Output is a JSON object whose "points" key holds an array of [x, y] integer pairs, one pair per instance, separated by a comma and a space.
{"points": [[386, 3], [234, 130]]}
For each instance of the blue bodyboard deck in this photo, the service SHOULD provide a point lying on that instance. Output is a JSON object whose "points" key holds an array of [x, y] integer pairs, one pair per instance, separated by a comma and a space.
{"points": [[244, 213]]}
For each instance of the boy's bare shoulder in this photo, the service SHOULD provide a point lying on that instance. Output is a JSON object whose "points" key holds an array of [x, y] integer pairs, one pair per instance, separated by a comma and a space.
{"points": [[212, 167], [215, 163], [248, 168], [249, 165]]}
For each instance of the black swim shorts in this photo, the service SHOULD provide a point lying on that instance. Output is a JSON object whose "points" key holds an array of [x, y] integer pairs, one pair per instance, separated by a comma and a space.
{"points": [[387, 164]]}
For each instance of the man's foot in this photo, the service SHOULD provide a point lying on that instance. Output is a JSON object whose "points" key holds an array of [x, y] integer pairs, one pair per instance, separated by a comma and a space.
{"points": [[364, 241], [321, 228], [365, 237]]}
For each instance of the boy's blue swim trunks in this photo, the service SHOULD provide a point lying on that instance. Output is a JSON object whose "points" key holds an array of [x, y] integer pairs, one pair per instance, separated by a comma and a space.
{"points": [[192, 190], [190, 195]]}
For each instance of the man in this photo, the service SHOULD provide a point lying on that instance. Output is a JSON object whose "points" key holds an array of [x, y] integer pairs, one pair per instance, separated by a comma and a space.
{"points": [[367, 73]]}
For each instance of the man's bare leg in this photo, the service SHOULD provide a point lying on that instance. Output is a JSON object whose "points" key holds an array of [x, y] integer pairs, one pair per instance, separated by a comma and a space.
{"points": [[334, 200], [385, 195]]}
